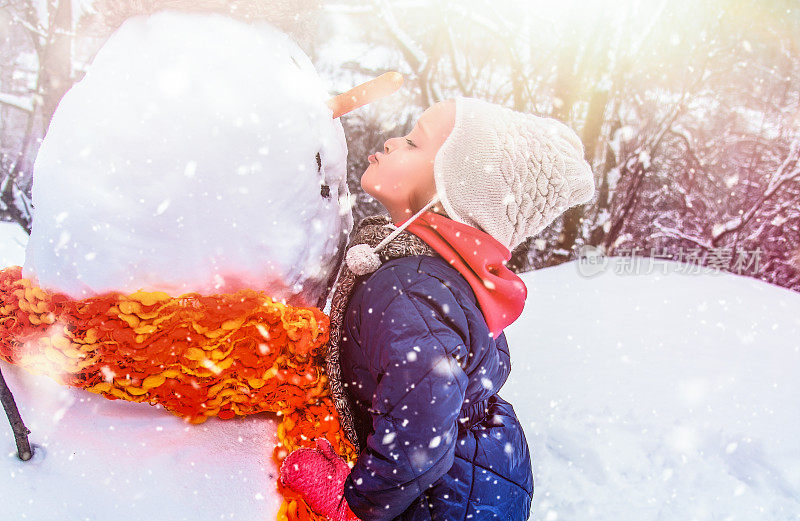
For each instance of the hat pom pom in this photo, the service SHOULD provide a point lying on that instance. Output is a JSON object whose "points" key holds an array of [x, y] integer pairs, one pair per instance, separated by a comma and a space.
{"points": [[361, 259]]}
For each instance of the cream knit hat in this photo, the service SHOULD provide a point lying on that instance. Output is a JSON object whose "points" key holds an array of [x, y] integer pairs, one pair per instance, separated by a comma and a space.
{"points": [[508, 173]]}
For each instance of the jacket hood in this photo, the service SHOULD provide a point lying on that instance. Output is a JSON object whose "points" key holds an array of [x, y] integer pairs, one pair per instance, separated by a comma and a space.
{"points": [[480, 258]]}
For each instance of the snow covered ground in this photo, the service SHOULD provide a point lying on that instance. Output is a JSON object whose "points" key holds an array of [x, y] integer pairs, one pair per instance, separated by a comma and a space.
{"points": [[659, 397], [104, 460], [644, 398]]}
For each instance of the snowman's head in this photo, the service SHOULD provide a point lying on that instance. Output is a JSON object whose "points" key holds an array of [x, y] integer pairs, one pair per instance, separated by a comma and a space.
{"points": [[197, 154]]}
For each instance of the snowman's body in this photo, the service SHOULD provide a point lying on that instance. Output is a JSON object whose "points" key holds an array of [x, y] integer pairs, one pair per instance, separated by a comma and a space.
{"points": [[106, 460], [196, 155]]}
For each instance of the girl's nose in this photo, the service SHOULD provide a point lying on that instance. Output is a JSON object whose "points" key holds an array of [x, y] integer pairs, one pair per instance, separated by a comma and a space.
{"points": [[386, 148]]}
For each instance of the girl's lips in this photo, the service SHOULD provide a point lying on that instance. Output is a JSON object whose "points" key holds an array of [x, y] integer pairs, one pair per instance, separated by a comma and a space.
{"points": [[372, 158]]}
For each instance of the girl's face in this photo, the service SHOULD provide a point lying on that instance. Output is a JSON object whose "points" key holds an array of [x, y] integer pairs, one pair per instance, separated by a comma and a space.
{"points": [[401, 177]]}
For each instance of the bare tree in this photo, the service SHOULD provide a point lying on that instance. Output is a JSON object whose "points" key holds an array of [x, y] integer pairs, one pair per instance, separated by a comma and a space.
{"points": [[50, 37]]}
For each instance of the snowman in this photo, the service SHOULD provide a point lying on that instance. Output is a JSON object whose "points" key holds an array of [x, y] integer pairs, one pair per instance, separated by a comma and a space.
{"points": [[191, 208]]}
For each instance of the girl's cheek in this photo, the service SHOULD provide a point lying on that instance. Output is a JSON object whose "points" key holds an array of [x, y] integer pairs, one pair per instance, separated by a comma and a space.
{"points": [[367, 181]]}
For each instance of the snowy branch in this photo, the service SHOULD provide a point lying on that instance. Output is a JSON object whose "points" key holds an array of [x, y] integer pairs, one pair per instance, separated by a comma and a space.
{"points": [[788, 171], [478, 19], [687, 142], [652, 23], [347, 9], [502, 29], [674, 232], [38, 31], [17, 102], [728, 226], [415, 56], [456, 69]]}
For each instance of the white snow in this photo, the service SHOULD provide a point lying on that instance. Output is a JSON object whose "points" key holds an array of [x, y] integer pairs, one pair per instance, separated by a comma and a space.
{"points": [[658, 397], [12, 244], [100, 460], [644, 398], [185, 160]]}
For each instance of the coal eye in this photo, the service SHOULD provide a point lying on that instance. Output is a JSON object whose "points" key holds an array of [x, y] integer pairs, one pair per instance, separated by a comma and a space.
{"points": [[324, 190], [410, 142]]}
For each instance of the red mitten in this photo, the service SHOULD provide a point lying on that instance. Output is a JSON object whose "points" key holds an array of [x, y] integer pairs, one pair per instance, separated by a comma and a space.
{"points": [[318, 475]]}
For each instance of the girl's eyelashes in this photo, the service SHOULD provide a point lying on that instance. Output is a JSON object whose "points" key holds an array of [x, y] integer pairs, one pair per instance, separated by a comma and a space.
{"points": [[410, 142]]}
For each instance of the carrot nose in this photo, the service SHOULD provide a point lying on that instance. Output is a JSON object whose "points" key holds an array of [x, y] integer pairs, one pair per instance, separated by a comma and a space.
{"points": [[365, 93]]}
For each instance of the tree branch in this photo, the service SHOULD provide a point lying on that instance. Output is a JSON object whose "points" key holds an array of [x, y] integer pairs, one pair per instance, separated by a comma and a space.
{"points": [[24, 451], [788, 171], [674, 232], [18, 102], [412, 53]]}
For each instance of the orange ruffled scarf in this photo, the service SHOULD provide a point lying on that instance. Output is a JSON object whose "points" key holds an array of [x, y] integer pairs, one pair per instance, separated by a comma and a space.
{"points": [[197, 356]]}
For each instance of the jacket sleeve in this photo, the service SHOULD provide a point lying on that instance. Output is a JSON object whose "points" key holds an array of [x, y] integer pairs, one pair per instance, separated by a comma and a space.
{"points": [[415, 407]]}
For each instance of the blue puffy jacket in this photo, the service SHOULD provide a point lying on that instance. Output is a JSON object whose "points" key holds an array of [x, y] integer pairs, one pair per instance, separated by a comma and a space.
{"points": [[422, 375]]}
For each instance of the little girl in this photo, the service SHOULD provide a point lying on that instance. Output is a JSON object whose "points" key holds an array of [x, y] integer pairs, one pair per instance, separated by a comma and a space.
{"points": [[417, 354]]}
